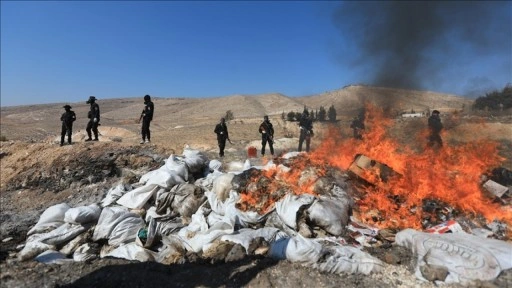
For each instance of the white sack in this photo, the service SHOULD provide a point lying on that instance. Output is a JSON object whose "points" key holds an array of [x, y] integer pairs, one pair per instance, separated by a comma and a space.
{"points": [[195, 160], [133, 251], [61, 235], [126, 230], [296, 249], [245, 236], [197, 235], [222, 186], [69, 248], [84, 253], [215, 165], [113, 195], [467, 257], [32, 249], [52, 257], [329, 214], [288, 207], [83, 214], [51, 218], [207, 182], [174, 171], [240, 218], [109, 218], [138, 197], [347, 259]]}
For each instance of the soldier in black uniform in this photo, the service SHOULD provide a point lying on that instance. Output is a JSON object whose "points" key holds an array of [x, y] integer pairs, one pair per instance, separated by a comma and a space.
{"points": [[146, 116], [358, 126], [306, 130], [94, 119], [267, 135], [435, 126], [222, 135], [67, 119]]}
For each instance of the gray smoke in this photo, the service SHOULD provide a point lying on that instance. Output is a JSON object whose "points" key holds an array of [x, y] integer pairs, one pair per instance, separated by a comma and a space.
{"points": [[414, 44]]}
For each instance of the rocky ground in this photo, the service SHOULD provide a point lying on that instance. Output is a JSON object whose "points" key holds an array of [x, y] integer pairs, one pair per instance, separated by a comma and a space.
{"points": [[38, 175]]}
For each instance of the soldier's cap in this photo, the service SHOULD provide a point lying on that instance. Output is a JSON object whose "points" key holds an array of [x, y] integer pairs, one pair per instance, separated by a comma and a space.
{"points": [[92, 98], [435, 112], [66, 107], [265, 117]]}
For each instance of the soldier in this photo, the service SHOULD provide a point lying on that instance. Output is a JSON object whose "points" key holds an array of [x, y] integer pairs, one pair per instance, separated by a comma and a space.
{"points": [[358, 126], [435, 126], [94, 119], [306, 130], [146, 116], [222, 135], [267, 135], [67, 119]]}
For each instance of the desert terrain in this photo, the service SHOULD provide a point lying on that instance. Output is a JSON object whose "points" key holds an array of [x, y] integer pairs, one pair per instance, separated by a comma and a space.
{"points": [[35, 174]]}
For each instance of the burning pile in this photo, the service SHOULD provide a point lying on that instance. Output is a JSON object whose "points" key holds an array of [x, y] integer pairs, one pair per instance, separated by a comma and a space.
{"points": [[411, 190], [297, 208]]}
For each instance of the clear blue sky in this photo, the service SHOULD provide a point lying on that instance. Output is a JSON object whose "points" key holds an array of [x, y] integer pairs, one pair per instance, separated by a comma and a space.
{"points": [[64, 51]]}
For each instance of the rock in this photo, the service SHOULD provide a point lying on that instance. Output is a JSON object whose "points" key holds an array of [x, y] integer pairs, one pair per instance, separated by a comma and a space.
{"points": [[236, 253], [434, 272], [391, 258]]}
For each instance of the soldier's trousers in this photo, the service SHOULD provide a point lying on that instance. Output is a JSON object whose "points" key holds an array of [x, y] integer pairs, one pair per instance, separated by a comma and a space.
{"points": [[67, 129], [304, 136], [145, 129], [94, 127]]}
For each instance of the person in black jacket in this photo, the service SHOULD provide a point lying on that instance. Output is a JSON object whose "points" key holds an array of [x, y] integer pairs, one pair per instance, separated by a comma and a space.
{"points": [[306, 131], [67, 119], [222, 135], [146, 116], [94, 119], [267, 135], [435, 126], [358, 126]]}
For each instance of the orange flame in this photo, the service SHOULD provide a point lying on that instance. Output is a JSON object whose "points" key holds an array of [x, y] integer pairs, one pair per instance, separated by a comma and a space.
{"points": [[451, 174]]}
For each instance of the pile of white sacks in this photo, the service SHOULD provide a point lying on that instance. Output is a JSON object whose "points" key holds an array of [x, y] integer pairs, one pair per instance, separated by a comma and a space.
{"points": [[169, 214]]}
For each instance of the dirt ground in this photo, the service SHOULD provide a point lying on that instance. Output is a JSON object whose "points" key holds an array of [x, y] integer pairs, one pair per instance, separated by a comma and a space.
{"points": [[39, 173]]}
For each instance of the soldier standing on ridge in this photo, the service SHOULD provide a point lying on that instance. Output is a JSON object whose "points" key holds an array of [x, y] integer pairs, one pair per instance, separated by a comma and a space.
{"points": [[146, 116], [267, 135], [306, 130], [67, 119], [435, 126], [222, 135], [94, 119]]}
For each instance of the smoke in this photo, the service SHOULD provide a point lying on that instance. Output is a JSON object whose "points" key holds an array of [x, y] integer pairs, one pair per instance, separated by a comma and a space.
{"points": [[415, 45]]}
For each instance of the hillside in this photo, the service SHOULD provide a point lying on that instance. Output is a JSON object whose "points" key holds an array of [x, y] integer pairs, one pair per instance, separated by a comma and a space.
{"points": [[38, 122]]}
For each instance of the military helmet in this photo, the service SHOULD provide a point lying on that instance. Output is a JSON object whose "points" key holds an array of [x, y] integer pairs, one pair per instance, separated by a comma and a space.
{"points": [[435, 112], [67, 107], [91, 99], [265, 117], [147, 98]]}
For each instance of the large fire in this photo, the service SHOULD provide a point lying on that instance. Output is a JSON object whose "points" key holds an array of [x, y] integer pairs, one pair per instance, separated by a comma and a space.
{"points": [[451, 174]]}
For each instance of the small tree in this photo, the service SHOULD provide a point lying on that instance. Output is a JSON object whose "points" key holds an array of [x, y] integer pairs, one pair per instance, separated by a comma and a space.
{"points": [[331, 114], [298, 115], [229, 115], [291, 116], [305, 110], [321, 114]]}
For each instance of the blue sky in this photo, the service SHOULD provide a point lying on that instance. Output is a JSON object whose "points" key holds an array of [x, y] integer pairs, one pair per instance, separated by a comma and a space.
{"points": [[64, 51]]}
